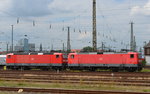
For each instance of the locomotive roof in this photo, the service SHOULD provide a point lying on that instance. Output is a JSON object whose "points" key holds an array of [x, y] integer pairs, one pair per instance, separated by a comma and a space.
{"points": [[106, 53], [33, 53]]}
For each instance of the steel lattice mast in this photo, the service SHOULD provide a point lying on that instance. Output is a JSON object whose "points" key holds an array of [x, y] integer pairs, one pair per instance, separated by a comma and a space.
{"points": [[94, 27]]}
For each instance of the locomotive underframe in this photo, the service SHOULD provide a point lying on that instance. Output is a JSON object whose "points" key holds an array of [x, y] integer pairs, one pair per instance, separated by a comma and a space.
{"points": [[113, 67]]}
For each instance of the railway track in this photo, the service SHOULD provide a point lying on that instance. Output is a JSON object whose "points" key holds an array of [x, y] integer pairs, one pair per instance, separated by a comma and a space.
{"points": [[147, 67], [63, 91], [76, 73], [121, 78]]}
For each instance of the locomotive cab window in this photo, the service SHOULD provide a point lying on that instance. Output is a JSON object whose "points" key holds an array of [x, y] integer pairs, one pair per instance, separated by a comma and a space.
{"points": [[132, 56], [9, 56], [72, 56], [57, 56]]}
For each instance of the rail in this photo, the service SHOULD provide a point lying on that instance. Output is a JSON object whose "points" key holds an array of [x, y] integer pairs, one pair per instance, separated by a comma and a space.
{"points": [[63, 91]]}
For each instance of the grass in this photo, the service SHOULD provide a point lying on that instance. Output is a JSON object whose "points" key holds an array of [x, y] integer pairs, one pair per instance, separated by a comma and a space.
{"points": [[76, 86], [145, 70]]}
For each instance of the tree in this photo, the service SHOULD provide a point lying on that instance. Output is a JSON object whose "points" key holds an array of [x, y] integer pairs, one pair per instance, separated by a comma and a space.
{"points": [[87, 49]]}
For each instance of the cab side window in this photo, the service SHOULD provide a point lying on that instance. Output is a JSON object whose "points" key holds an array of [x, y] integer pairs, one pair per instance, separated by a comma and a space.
{"points": [[9, 56], [57, 56], [72, 56], [132, 56]]}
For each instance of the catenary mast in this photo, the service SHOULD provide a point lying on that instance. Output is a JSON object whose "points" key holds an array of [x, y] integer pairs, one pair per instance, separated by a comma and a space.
{"points": [[94, 27]]}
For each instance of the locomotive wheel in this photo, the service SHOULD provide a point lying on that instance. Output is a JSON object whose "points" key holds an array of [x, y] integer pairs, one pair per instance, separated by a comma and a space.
{"points": [[140, 69], [22, 68], [92, 69], [115, 69], [57, 68], [131, 69]]}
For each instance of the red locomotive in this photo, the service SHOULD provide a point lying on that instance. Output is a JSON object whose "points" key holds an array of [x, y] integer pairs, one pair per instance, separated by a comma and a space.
{"points": [[129, 61], [40, 60], [114, 61]]}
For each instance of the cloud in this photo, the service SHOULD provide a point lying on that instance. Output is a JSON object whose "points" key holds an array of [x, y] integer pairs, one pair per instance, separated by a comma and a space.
{"points": [[37, 8], [64, 6], [31, 7], [5, 4], [144, 10]]}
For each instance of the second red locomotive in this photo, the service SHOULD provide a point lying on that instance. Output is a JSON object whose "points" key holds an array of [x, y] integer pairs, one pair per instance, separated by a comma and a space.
{"points": [[114, 61]]}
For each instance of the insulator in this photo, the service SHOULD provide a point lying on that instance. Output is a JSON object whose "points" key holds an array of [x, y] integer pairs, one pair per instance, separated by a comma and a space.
{"points": [[79, 31], [17, 20], [50, 26], [63, 29], [33, 23]]}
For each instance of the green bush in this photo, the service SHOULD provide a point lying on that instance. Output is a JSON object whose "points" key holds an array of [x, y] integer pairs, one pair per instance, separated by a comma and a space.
{"points": [[144, 62]]}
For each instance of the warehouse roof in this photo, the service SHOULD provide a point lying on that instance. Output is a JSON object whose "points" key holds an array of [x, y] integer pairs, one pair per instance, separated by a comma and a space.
{"points": [[147, 45]]}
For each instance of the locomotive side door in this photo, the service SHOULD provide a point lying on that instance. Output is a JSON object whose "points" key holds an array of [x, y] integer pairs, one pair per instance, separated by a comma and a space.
{"points": [[124, 60], [79, 61]]}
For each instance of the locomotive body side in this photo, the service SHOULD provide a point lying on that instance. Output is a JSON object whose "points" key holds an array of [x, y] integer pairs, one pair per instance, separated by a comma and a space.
{"points": [[107, 61], [39, 60]]}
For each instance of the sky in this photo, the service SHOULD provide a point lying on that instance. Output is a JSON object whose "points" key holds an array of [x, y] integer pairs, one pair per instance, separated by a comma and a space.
{"points": [[52, 17]]}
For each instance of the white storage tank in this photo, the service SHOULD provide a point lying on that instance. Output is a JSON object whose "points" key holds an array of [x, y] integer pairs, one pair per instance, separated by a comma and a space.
{"points": [[147, 60], [2, 59]]}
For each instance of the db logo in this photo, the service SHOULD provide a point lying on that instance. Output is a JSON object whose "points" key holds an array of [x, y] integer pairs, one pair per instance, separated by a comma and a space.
{"points": [[100, 58], [32, 58]]}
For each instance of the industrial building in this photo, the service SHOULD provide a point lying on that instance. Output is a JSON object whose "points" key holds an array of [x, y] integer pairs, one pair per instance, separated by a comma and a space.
{"points": [[24, 46], [147, 53]]}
